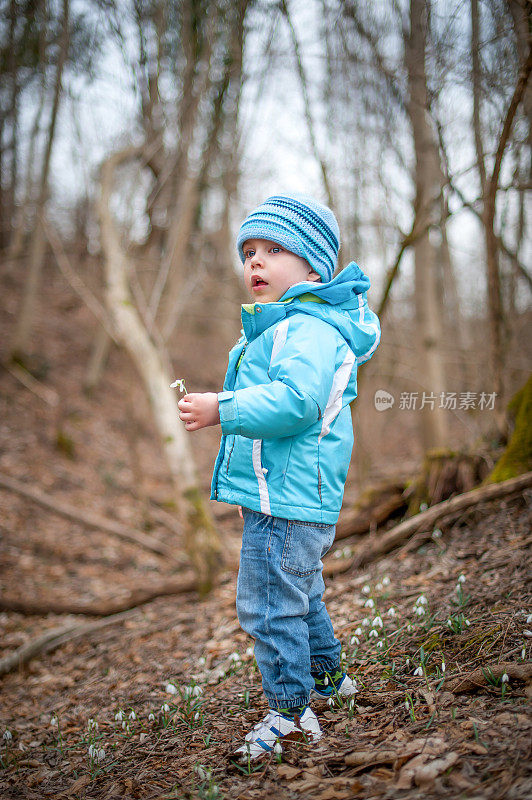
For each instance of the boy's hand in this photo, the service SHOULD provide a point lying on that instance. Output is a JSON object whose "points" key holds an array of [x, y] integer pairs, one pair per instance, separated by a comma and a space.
{"points": [[199, 410]]}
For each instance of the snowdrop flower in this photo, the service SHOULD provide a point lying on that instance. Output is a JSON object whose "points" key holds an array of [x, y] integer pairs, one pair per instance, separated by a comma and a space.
{"points": [[391, 612], [92, 750], [132, 715], [358, 632], [523, 653], [356, 640], [8, 736], [377, 622], [461, 578], [352, 703], [378, 587], [165, 707], [196, 716], [409, 627], [179, 384], [443, 666], [188, 691], [380, 644], [326, 681], [201, 661], [467, 622], [418, 671], [386, 581], [505, 678], [422, 600], [343, 655], [124, 725], [366, 621], [249, 651], [420, 611], [92, 724], [277, 749], [366, 589], [53, 721], [436, 533], [197, 691], [170, 688], [330, 701], [373, 634], [119, 716], [449, 623], [151, 716], [369, 603], [234, 657]]}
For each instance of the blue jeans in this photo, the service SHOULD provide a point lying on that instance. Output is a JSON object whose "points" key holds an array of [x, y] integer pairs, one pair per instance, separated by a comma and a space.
{"points": [[279, 602]]}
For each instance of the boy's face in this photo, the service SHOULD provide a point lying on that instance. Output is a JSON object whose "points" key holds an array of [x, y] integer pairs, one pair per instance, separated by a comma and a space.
{"points": [[269, 270]]}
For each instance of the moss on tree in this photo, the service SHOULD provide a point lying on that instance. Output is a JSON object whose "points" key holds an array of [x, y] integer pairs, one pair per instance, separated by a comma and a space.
{"points": [[517, 458]]}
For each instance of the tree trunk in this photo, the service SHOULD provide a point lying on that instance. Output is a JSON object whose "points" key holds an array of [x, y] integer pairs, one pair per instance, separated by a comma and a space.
{"points": [[201, 539], [23, 328], [427, 180]]}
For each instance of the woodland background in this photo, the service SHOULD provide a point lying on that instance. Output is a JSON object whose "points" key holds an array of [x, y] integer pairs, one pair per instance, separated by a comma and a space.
{"points": [[134, 137]]}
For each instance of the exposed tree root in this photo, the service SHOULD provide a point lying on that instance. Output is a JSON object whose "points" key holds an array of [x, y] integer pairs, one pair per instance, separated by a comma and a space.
{"points": [[482, 677], [94, 521], [54, 638], [424, 523], [101, 608]]}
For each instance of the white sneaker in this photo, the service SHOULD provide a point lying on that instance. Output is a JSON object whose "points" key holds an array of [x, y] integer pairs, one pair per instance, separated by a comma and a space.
{"points": [[330, 694], [264, 737]]}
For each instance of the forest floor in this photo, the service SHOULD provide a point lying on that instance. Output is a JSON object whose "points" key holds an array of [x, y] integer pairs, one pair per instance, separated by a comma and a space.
{"points": [[154, 705]]}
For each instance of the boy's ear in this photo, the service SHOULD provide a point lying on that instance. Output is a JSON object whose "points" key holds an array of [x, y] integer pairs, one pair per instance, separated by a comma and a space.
{"points": [[313, 276]]}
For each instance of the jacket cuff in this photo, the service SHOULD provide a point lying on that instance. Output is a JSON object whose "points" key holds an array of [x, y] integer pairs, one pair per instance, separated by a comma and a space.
{"points": [[228, 412]]}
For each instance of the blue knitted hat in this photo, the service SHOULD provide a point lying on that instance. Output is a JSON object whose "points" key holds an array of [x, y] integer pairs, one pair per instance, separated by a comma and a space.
{"points": [[299, 223]]}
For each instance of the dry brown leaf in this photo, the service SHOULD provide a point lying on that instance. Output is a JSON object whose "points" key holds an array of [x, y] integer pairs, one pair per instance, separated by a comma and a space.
{"points": [[75, 787], [425, 776], [288, 772]]}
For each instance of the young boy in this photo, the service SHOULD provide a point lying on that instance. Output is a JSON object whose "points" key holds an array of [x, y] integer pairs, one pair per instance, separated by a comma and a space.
{"points": [[286, 447]]}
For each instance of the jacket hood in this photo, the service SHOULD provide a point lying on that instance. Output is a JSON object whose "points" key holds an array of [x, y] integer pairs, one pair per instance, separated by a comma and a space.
{"points": [[341, 302]]}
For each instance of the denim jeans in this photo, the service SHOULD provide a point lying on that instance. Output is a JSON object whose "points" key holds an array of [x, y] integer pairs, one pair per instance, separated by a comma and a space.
{"points": [[279, 602]]}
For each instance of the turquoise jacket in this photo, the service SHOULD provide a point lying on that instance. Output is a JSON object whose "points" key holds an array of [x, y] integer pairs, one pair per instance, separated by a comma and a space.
{"points": [[284, 409]]}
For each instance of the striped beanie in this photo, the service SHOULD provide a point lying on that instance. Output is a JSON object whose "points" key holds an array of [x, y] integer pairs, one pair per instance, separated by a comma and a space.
{"points": [[299, 223]]}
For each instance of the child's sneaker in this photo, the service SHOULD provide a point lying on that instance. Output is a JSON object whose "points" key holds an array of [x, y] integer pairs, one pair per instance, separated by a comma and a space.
{"points": [[262, 739], [332, 687]]}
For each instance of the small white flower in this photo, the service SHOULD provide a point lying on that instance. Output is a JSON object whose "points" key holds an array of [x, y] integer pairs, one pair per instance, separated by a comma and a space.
{"points": [[165, 707], [151, 716], [386, 581], [529, 619], [200, 772], [366, 589], [380, 644], [234, 657], [366, 621], [326, 681], [330, 701], [197, 691], [249, 651], [196, 716], [119, 716], [449, 623], [407, 705], [378, 587], [124, 725], [188, 691], [170, 688], [352, 703], [418, 671], [337, 554], [343, 656], [523, 653], [369, 603], [461, 578], [8, 736], [467, 622], [92, 724], [346, 552], [356, 640], [505, 678], [358, 632], [132, 715], [420, 611], [443, 666], [201, 660], [100, 755], [407, 662], [409, 627], [179, 384], [53, 721], [422, 600], [377, 622], [373, 633], [423, 506], [391, 612], [436, 533], [277, 749], [92, 750]]}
